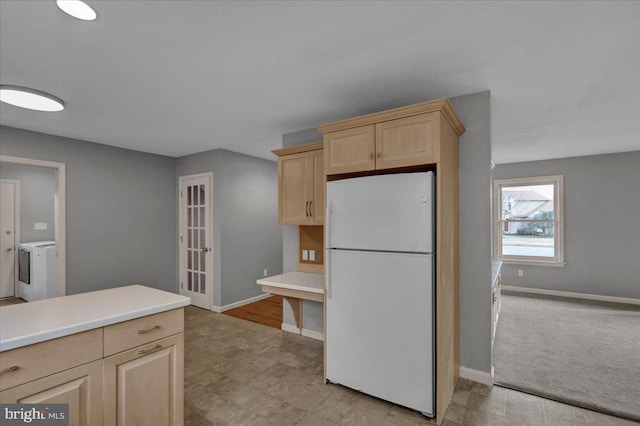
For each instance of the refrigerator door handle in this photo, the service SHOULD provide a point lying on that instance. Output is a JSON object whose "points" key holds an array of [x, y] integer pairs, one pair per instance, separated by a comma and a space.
{"points": [[327, 257]]}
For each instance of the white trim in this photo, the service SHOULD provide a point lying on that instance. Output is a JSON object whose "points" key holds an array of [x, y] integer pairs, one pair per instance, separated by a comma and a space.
{"points": [[317, 335], [16, 233], [587, 296], [220, 309], [290, 328], [60, 214], [476, 376], [210, 258]]}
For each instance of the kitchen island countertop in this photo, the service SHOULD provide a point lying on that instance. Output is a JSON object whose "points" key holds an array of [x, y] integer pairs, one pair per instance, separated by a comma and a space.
{"points": [[28, 323]]}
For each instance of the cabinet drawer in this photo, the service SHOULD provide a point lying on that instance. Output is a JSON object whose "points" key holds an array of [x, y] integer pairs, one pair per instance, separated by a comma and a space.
{"points": [[28, 363], [129, 334]]}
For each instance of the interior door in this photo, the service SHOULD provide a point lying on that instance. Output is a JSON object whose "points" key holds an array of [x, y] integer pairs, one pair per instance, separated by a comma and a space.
{"points": [[7, 238], [196, 256]]}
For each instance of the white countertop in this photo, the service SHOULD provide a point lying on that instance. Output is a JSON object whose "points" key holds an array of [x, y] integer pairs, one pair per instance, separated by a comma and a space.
{"points": [[303, 281], [28, 323]]}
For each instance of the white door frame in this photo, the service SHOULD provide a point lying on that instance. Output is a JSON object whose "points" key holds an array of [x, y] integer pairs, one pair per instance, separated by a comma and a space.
{"points": [[181, 260], [16, 233], [60, 215]]}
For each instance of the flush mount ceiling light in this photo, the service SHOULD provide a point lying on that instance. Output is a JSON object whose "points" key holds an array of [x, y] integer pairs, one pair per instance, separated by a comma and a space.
{"points": [[77, 9], [24, 97]]}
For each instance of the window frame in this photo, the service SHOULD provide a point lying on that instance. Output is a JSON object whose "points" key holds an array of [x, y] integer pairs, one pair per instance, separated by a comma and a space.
{"points": [[558, 220]]}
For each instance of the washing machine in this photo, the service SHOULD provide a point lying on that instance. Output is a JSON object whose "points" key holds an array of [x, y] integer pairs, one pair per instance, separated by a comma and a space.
{"points": [[37, 270]]}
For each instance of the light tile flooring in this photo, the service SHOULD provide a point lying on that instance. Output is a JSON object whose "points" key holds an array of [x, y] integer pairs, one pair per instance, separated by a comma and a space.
{"points": [[241, 373], [11, 301]]}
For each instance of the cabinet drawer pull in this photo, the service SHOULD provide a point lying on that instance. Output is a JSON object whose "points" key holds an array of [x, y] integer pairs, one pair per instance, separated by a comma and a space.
{"points": [[148, 351], [310, 208], [157, 327], [306, 209], [379, 155], [10, 369], [371, 156]]}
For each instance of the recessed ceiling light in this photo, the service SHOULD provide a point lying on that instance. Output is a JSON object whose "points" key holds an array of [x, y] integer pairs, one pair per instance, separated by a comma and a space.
{"points": [[24, 97], [77, 9]]}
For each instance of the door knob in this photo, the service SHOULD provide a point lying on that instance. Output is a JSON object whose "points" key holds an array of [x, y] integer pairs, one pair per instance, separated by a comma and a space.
{"points": [[205, 249], [10, 248]]}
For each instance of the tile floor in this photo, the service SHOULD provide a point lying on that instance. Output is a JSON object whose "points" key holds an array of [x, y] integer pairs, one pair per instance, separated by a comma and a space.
{"points": [[11, 301], [241, 373]]}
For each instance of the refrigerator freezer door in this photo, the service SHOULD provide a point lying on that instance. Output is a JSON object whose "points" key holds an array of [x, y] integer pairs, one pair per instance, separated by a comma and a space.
{"points": [[379, 334], [387, 213]]}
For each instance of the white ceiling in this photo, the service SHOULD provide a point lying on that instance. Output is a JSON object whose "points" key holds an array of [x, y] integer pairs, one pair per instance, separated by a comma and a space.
{"points": [[180, 77]]}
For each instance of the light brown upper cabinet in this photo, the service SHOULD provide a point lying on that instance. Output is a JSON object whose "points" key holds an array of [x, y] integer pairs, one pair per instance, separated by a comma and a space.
{"points": [[402, 137], [350, 150], [301, 185]]}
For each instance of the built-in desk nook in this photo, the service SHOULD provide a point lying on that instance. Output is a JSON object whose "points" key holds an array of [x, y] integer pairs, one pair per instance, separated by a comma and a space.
{"points": [[295, 287]]}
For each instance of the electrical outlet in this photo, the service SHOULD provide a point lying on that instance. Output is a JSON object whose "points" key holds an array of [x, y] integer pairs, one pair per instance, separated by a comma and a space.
{"points": [[312, 255], [265, 272], [305, 254], [520, 273]]}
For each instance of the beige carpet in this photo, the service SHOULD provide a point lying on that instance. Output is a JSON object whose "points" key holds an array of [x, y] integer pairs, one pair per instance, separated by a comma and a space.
{"points": [[579, 352]]}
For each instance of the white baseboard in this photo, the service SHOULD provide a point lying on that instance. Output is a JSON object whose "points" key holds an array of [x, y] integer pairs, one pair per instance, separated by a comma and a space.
{"points": [[220, 309], [587, 296], [318, 335], [476, 376], [290, 328]]}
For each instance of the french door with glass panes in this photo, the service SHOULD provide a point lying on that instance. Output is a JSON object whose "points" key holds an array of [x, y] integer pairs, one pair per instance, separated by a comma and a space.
{"points": [[195, 239]]}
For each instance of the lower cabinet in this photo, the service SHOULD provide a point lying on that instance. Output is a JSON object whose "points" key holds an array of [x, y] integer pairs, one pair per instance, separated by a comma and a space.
{"points": [[80, 387], [143, 386], [132, 377]]}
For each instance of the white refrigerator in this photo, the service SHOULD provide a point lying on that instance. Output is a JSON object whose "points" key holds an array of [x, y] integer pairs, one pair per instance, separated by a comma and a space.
{"points": [[380, 331]]}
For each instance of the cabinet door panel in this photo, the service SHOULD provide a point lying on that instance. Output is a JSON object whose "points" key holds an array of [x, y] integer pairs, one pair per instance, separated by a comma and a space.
{"points": [[407, 142], [317, 208], [145, 385], [292, 191], [80, 387], [350, 150]]}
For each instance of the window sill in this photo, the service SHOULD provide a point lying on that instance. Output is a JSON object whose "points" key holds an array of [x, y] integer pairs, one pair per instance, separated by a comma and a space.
{"points": [[552, 263]]}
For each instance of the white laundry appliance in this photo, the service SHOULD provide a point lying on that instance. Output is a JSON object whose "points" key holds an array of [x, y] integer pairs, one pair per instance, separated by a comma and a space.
{"points": [[380, 313], [37, 270]]}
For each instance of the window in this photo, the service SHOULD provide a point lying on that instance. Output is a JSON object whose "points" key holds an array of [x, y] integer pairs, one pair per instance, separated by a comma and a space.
{"points": [[528, 216]]}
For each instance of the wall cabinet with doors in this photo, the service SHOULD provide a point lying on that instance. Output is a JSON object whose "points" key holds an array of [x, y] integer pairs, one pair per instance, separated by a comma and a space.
{"points": [[417, 137], [301, 185], [398, 138]]}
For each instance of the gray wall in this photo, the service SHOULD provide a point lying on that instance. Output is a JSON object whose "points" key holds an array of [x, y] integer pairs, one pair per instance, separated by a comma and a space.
{"points": [[602, 234], [37, 190], [247, 237], [121, 216], [475, 234]]}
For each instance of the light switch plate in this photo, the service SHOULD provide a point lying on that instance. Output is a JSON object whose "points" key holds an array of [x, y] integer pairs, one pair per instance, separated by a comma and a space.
{"points": [[39, 226], [305, 254], [312, 255]]}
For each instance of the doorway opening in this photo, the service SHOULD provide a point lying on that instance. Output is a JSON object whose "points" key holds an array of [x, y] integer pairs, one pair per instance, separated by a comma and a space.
{"points": [[59, 208]]}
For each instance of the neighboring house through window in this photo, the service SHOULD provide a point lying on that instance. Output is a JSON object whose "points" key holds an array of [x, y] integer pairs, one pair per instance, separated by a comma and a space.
{"points": [[529, 221]]}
